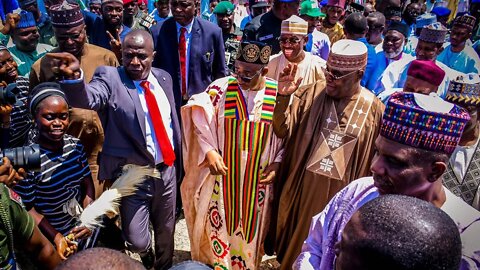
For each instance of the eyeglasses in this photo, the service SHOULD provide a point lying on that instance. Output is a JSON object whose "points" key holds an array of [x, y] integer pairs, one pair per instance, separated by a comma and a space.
{"points": [[246, 79], [292, 40], [335, 77]]}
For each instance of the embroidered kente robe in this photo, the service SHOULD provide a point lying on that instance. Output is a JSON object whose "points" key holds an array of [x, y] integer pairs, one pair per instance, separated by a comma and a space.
{"points": [[227, 215], [332, 146]]}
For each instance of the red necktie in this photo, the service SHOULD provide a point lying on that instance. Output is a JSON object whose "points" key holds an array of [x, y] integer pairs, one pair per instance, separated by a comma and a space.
{"points": [[159, 128], [182, 52]]}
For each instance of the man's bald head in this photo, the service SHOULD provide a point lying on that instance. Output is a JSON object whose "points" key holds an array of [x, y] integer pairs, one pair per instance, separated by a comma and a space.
{"points": [[139, 38], [399, 232], [138, 54], [100, 258]]}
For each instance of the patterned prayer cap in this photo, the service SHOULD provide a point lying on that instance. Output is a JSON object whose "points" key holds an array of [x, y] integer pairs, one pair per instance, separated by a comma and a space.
{"points": [[422, 121], [66, 15], [295, 26], [465, 20], [424, 20], [465, 90], [426, 70], [254, 52], [26, 20], [348, 55], [336, 3], [434, 33]]}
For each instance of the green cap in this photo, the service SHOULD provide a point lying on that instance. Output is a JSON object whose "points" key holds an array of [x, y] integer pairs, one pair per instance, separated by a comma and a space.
{"points": [[310, 8], [224, 7]]}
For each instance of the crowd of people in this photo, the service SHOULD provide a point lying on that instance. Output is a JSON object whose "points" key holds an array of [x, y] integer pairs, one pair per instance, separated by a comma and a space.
{"points": [[341, 134]]}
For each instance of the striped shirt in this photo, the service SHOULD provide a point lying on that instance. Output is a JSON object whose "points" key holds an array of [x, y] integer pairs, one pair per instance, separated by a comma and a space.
{"points": [[58, 182], [20, 118]]}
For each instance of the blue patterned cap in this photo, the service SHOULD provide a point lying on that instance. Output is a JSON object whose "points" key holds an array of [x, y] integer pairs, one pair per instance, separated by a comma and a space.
{"points": [[26, 20], [425, 19]]}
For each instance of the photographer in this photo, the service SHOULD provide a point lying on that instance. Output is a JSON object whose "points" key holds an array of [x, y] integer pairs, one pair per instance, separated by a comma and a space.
{"points": [[17, 227], [15, 121]]}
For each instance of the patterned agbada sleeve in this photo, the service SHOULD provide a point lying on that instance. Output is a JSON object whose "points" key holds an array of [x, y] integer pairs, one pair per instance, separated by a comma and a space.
{"points": [[204, 111]]}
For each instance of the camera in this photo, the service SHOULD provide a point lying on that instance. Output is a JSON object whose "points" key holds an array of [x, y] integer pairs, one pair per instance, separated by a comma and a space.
{"points": [[7, 95], [26, 157]]}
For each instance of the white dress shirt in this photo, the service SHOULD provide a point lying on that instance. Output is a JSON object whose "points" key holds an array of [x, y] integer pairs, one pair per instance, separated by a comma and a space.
{"points": [[164, 106]]}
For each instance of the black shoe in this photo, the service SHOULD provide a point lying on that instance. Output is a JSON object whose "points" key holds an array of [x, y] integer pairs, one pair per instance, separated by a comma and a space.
{"points": [[148, 258]]}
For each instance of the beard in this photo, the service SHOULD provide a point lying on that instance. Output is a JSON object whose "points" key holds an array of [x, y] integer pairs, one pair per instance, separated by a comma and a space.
{"points": [[395, 53]]}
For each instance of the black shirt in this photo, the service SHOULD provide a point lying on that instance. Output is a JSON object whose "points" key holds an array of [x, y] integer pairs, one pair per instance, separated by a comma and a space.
{"points": [[265, 28]]}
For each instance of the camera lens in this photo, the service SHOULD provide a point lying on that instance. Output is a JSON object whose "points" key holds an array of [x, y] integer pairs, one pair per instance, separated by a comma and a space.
{"points": [[27, 157]]}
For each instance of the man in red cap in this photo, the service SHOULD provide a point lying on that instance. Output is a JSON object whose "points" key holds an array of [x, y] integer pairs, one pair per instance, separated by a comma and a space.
{"points": [[423, 77], [330, 25]]}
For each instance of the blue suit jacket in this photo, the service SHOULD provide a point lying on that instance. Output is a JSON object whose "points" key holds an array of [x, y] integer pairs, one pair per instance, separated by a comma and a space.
{"points": [[114, 96], [207, 55]]}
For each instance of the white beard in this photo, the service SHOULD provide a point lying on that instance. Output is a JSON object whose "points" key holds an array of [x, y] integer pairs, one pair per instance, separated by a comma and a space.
{"points": [[395, 53]]}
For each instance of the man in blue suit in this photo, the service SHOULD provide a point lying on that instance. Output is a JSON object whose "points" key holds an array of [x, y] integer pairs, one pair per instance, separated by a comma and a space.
{"points": [[190, 49], [136, 106]]}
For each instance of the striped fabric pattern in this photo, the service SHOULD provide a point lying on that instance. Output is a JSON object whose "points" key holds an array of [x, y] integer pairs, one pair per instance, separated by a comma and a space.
{"points": [[241, 194], [20, 118], [236, 106], [58, 182]]}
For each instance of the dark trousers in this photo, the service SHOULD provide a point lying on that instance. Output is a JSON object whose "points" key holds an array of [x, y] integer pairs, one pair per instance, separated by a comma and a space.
{"points": [[154, 201]]}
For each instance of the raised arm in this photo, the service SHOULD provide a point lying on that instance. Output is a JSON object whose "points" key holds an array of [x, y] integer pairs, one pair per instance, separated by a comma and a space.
{"points": [[93, 96], [286, 87]]}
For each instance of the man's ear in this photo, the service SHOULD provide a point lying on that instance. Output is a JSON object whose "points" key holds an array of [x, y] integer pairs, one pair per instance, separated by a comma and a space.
{"points": [[469, 35], [438, 168], [360, 73]]}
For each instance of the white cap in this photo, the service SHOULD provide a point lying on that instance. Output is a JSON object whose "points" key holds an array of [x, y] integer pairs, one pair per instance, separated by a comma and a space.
{"points": [[348, 55]]}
